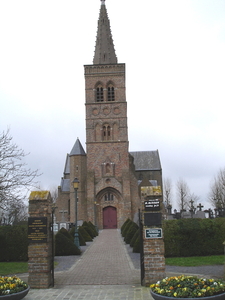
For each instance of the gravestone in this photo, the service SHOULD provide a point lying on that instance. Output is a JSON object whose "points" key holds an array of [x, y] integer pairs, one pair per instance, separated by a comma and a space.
{"points": [[40, 258]]}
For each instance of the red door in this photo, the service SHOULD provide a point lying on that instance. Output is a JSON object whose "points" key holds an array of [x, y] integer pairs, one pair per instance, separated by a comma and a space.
{"points": [[109, 217]]}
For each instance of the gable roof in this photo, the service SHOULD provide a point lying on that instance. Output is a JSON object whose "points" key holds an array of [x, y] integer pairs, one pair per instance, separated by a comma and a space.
{"points": [[146, 160]]}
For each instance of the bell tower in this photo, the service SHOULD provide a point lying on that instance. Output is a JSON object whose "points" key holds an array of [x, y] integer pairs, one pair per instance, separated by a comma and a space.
{"points": [[108, 162]]}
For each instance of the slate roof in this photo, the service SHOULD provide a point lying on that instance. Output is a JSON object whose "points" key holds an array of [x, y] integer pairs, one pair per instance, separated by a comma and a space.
{"points": [[77, 149], [146, 160], [65, 185], [67, 165]]}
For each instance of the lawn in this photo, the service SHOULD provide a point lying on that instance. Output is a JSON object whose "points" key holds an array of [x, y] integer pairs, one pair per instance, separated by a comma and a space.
{"points": [[7, 268], [195, 261]]}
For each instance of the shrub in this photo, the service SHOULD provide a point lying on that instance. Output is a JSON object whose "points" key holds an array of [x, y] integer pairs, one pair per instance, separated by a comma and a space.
{"points": [[126, 228], [66, 233], [124, 225], [137, 233], [136, 248], [84, 234], [93, 227], [81, 239], [64, 246], [89, 229], [130, 233]]}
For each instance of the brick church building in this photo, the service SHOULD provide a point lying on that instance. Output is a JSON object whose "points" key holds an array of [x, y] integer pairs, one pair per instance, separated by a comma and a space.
{"points": [[109, 175]]}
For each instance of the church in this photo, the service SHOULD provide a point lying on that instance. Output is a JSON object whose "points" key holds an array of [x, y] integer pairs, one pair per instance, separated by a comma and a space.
{"points": [[110, 177]]}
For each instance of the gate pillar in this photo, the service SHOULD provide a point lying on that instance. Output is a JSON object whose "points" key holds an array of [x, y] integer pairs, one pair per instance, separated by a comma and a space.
{"points": [[153, 243], [40, 240]]}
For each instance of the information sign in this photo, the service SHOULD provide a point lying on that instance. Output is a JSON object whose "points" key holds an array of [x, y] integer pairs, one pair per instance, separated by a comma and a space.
{"points": [[153, 233], [37, 230], [152, 205]]}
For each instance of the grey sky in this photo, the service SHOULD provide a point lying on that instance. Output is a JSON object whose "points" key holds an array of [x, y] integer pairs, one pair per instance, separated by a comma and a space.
{"points": [[175, 74]]}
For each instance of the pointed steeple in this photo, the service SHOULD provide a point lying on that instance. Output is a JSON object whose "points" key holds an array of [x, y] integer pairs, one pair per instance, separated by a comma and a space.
{"points": [[104, 47], [77, 149]]}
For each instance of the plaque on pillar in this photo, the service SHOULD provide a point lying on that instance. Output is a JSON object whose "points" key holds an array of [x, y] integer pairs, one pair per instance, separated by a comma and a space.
{"points": [[37, 230], [152, 205], [152, 219]]}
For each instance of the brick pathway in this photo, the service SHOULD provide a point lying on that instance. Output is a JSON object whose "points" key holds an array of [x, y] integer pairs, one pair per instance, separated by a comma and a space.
{"points": [[105, 262]]}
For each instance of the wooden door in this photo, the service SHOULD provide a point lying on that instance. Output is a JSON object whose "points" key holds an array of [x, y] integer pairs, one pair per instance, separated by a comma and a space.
{"points": [[109, 218]]}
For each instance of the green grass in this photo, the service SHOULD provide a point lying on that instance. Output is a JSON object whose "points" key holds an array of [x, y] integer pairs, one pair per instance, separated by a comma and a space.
{"points": [[12, 268], [195, 261], [7, 268]]}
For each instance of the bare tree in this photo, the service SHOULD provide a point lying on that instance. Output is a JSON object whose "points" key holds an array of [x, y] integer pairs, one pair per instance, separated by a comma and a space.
{"points": [[54, 193], [167, 191], [183, 194], [15, 177], [217, 190], [17, 212]]}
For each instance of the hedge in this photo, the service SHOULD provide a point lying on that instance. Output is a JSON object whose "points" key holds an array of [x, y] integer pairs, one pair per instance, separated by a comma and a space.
{"points": [[194, 237], [14, 243]]}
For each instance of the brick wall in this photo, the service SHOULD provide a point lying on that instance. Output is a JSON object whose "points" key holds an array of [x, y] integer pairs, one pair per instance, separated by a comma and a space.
{"points": [[40, 254]]}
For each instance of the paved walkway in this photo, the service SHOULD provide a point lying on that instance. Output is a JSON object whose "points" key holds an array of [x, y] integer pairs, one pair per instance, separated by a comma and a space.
{"points": [[105, 271], [104, 262]]}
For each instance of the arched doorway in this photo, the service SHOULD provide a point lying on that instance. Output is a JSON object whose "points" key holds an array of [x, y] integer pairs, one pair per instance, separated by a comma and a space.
{"points": [[109, 217]]}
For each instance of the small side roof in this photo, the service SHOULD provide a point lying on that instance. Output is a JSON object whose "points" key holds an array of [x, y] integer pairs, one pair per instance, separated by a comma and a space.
{"points": [[146, 160], [65, 185], [77, 149]]}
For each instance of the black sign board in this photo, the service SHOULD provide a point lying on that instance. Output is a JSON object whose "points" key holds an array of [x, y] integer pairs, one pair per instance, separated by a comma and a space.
{"points": [[153, 233], [152, 205], [152, 219], [37, 230]]}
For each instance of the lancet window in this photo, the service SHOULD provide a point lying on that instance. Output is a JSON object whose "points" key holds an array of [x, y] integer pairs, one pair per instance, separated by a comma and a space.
{"points": [[111, 93], [99, 94], [109, 197], [106, 133]]}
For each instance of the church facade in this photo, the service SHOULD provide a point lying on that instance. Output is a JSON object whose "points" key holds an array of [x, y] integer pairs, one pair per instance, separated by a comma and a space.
{"points": [[109, 175]]}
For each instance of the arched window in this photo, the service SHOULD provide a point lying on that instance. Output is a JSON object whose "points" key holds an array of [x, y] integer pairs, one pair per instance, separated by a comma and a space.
{"points": [[99, 94], [106, 133], [111, 93], [109, 197]]}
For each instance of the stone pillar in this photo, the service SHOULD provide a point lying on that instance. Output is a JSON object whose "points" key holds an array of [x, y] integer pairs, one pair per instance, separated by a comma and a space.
{"points": [[154, 260], [40, 240], [153, 243]]}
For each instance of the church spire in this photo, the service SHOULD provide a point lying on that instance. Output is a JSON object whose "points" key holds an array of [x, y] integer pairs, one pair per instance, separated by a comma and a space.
{"points": [[104, 48]]}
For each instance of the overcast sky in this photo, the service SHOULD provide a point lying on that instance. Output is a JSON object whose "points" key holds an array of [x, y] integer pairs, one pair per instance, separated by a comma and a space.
{"points": [[175, 81]]}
